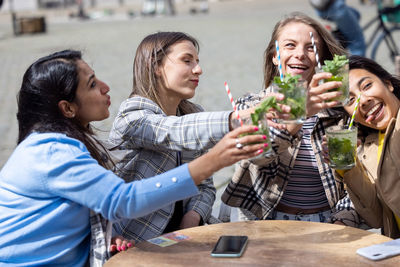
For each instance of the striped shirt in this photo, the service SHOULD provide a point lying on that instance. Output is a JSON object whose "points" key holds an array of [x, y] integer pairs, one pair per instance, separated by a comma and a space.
{"points": [[304, 189], [258, 186]]}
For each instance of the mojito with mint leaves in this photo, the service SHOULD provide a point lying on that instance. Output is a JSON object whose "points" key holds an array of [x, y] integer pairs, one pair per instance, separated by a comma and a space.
{"points": [[258, 118], [339, 67], [342, 146], [295, 91]]}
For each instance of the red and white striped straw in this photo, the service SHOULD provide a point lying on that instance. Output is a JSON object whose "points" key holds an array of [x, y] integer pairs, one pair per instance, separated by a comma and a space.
{"points": [[233, 103]]}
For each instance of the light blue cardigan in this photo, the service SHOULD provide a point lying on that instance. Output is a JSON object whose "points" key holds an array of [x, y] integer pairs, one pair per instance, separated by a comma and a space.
{"points": [[48, 186]]}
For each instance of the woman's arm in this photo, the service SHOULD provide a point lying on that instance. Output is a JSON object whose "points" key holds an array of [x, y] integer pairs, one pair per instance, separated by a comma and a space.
{"points": [[80, 179], [140, 123], [202, 203], [363, 194], [73, 174], [345, 213], [282, 136]]}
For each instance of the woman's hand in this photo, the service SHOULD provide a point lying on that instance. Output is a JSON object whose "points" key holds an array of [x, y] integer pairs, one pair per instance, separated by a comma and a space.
{"points": [[318, 97], [226, 152], [230, 149], [118, 243], [339, 223], [271, 113], [275, 114]]}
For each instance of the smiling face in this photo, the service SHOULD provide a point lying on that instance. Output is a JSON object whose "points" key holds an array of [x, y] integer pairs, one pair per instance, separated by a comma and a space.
{"points": [[179, 72], [296, 50], [378, 105], [92, 101]]}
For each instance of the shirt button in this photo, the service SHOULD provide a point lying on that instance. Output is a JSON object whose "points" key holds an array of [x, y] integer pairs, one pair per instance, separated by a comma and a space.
{"points": [[174, 179], [158, 185], [364, 156]]}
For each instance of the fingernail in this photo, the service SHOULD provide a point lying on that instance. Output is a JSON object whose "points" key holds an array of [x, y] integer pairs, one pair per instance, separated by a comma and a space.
{"points": [[129, 245], [255, 128], [265, 144], [264, 137], [119, 248], [123, 247], [260, 151]]}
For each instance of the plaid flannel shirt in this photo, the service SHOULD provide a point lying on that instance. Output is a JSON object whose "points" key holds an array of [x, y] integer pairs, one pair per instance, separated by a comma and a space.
{"points": [[100, 231], [259, 186], [100, 228], [153, 140]]}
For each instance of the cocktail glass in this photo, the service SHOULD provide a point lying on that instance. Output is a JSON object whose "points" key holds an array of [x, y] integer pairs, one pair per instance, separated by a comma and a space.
{"points": [[296, 98], [342, 146], [341, 75], [263, 129]]}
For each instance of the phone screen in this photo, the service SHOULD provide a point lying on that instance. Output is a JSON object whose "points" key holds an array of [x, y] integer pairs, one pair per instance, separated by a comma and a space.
{"points": [[230, 246]]}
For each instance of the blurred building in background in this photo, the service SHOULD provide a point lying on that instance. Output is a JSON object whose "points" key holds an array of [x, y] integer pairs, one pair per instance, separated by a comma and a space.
{"points": [[148, 6]]}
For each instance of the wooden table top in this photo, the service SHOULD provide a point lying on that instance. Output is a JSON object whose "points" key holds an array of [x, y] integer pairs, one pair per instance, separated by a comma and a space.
{"points": [[271, 243]]}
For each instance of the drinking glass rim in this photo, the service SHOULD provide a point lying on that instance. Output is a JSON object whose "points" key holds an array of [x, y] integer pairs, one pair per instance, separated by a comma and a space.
{"points": [[337, 129]]}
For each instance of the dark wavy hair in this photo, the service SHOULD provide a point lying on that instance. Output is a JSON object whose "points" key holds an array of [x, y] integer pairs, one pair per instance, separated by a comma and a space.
{"points": [[358, 62], [45, 83]]}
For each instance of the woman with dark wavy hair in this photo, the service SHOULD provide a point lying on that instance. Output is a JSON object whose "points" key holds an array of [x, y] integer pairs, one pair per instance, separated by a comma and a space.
{"points": [[374, 182], [58, 174]]}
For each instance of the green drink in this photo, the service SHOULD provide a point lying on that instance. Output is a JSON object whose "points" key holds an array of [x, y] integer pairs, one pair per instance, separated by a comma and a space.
{"points": [[342, 146], [295, 91], [339, 67], [263, 129]]}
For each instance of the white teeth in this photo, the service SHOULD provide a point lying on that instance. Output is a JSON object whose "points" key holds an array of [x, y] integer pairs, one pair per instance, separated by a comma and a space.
{"points": [[298, 66], [375, 108]]}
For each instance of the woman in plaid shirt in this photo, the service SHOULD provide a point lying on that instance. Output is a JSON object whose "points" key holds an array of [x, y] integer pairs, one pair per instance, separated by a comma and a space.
{"points": [[59, 175], [296, 183], [160, 129]]}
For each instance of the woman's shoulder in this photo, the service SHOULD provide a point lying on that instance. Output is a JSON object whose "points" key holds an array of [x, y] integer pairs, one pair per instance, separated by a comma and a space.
{"points": [[41, 151], [52, 142], [139, 103]]}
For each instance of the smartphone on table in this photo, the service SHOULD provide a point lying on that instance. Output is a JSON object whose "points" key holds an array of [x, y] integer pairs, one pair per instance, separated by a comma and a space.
{"points": [[381, 251], [229, 246]]}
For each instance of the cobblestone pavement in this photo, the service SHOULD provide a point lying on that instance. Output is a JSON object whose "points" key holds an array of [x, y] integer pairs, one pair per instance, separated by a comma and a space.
{"points": [[232, 36]]}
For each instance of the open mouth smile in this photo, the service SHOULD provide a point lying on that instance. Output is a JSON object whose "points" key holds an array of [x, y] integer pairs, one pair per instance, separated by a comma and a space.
{"points": [[374, 112], [298, 68]]}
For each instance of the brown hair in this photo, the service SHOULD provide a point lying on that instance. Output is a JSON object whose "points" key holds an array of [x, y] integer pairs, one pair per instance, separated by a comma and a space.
{"points": [[149, 55], [329, 45]]}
